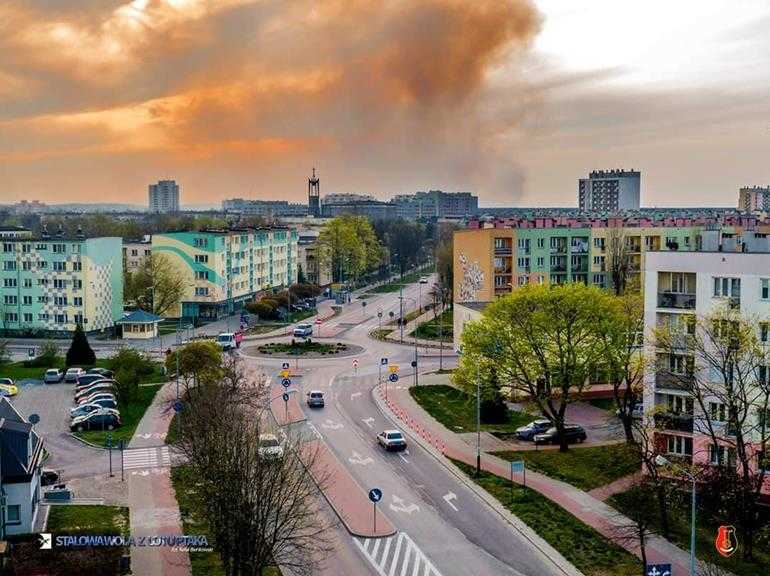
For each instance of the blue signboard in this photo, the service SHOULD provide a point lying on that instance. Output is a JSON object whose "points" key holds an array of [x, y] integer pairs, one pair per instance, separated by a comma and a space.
{"points": [[285, 396], [177, 406], [384, 361], [393, 377], [286, 382], [658, 570], [375, 495], [517, 466]]}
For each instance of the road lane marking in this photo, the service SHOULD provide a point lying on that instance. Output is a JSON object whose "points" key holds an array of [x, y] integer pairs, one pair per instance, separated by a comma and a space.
{"points": [[398, 505], [401, 558], [400, 455], [315, 430], [360, 460], [368, 421], [448, 499], [355, 395], [331, 425]]}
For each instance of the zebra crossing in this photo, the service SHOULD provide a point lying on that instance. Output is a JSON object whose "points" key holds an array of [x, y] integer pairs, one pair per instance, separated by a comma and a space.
{"points": [[154, 457], [396, 555]]}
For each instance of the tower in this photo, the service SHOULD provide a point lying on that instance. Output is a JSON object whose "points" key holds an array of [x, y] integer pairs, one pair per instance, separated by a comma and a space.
{"points": [[313, 195]]}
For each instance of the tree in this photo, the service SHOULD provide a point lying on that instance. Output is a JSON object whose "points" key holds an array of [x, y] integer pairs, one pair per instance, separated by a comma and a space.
{"points": [[349, 247], [301, 278], [623, 360], [445, 260], [725, 366], [637, 525], [199, 361], [618, 259], [80, 352], [544, 342], [262, 510], [131, 368], [156, 287]]}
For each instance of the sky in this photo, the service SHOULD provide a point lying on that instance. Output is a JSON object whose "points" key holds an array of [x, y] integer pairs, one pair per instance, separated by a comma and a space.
{"points": [[513, 100]]}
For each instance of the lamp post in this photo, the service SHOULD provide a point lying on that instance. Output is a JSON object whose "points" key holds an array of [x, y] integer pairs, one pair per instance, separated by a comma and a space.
{"points": [[662, 461]]}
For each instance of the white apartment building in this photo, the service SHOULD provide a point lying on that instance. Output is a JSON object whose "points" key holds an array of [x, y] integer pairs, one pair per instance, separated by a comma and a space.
{"points": [[678, 288], [609, 191], [163, 197]]}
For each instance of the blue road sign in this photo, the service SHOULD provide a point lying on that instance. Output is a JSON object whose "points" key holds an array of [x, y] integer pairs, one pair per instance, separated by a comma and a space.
{"points": [[393, 377], [414, 363], [375, 495], [177, 406], [286, 382], [384, 361], [285, 396], [517, 466], [658, 570], [285, 365], [34, 419]]}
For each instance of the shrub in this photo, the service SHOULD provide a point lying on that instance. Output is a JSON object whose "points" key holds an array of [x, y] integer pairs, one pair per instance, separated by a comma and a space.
{"points": [[131, 368], [48, 356], [80, 352]]}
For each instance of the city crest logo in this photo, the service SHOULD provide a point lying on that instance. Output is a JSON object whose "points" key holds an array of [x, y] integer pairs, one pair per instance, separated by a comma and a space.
{"points": [[726, 541]]}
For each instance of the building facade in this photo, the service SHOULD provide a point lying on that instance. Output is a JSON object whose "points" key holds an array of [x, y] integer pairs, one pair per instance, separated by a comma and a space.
{"points": [[223, 269], [265, 208], [51, 284], [754, 199], [309, 261], [679, 289], [135, 253], [436, 204], [609, 191], [163, 197]]}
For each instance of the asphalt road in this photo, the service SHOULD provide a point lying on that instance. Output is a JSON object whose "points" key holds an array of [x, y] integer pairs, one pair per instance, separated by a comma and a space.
{"points": [[444, 528]]}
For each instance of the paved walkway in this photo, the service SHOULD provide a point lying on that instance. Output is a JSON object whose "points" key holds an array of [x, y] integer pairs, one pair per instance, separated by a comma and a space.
{"points": [[586, 507], [151, 498], [395, 335], [623, 484]]}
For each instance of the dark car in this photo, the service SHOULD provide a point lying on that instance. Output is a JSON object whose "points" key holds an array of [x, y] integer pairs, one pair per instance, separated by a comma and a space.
{"points": [[573, 432], [87, 379], [535, 427], [96, 421], [48, 477], [101, 371]]}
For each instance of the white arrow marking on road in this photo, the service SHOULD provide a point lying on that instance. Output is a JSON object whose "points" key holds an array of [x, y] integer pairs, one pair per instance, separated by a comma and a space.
{"points": [[331, 425], [400, 506], [141, 473], [400, 455], [355, 395], [314, 430], [448, 499], [368, 421], [357, 459]]}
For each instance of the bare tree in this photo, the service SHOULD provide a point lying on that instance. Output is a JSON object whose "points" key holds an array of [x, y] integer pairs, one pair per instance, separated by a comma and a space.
{"points": [[637, 525], [726, 368], [618, 259], [262, 507]]}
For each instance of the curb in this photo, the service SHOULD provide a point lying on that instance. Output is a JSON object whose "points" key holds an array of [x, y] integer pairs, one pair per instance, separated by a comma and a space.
{"points": [[528, 533], [87, 443]]}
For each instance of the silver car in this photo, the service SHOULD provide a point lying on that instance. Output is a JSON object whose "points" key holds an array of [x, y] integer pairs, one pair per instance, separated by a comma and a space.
{"points": [[315, 399]]}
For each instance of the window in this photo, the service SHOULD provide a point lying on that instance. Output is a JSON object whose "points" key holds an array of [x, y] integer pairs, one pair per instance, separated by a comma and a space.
{"points": [[9, 266], [26, 266], [42, 299], [204, 258], [11, 317], [763, 461], [60, 318], [201, 291], [727, 287], [679, 364], [76, 248], [541, 280], [79, 319], [134, 252], [599, 243], [763, 331], [9, 282], [680, 404], [42, 317], [13, 514], [765, 289], [599, 279], [60, 300], [77, 301], [201, 242], [42, 281], [722, 456], [59, 284], [540, 261], [59, 248], [11, 300], [41, 247], [77, 266], [27, 300], [680, 445], [201, 275], [28, 282], [523, 244], [27, 317], [42, 265], [60, 266], [717, 412], [523, 280], [77, 284], [523, 262]]}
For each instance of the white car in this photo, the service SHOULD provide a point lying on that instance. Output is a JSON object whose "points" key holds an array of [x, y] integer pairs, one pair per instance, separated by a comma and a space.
{"points": [[53, 375], [269, 447], [424, 280], [391, 440], [97, 397], [303, 330], [226, 341], [100, 387], [73, 374]]}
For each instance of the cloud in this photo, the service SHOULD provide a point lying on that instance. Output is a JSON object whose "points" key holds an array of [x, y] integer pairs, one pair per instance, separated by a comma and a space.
{"points": [[385, 95]]}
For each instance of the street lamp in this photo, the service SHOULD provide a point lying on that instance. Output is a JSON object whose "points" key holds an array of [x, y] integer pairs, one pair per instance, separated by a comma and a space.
{"points": [[662, 461]]}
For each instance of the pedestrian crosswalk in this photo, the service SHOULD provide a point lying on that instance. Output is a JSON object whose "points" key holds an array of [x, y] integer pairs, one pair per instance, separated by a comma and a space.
{"points": [[154, 457], [397, 555]]}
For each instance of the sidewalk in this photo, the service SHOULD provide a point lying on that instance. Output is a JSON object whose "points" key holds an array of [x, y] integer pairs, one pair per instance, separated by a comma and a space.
{"points": [[395, 335], [584, 506], [152, 502]]}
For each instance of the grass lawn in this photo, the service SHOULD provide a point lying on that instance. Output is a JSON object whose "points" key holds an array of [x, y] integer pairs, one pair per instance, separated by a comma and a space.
{"points": [[394, 286], [584, 468], [457, 411], [380, 333], [603, 403], [299, 347], [203, 563], [88, 519], [679, 519], [430, 330], [131, 414], [589, 551]]}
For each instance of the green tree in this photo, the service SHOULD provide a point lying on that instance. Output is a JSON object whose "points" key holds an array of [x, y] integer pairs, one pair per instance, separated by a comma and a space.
{"points": [[198, 361], [80, 352], [349, 247], [131, 368], [156, 287], [544, 342]]}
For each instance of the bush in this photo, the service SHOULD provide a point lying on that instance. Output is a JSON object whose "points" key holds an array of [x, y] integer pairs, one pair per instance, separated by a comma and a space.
{"points": [[80, 352], [130, 368], [494, 411], [48, 356], [264, 310]]}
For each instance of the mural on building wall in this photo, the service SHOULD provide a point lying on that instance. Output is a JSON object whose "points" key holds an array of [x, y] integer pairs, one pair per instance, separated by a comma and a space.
{"points": [[472, 279]]}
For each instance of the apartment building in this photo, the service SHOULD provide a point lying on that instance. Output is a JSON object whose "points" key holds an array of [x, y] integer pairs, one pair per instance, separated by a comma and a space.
{"points": [[135, 253], [754, 199], [163, 197], [609, 191], [51, 283], [680, 288], [223, 269], [315, 270], [436, 204]]}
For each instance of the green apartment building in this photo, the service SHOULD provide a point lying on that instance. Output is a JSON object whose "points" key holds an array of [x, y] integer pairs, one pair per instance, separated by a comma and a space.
{"points": [[51, 283], [223, 269]]}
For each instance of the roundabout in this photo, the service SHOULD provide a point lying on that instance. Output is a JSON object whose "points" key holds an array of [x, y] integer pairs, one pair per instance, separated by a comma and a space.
{"points": [[295, 348]]}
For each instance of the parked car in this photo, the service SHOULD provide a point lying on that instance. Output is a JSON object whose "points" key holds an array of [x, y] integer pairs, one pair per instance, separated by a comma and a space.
{"points": [[101, 371], [53, 376], [391, 440], [73, 374], [269, 446], [84, 409], [96, 397], [91, 382], [423, 280], [315, 399], [226, 341], [637, 412], [96, 421], [573, 432], [100, 387], [303, 330], [87, 379], [529, 431], [48, 477]]}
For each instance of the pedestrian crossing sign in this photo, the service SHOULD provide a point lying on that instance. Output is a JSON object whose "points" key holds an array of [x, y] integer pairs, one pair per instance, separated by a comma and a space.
{"points": [[393, 368]]}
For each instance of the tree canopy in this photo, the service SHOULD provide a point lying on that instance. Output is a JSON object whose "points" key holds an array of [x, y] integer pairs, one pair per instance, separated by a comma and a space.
{"points": [[156, 287], [349, 246]]}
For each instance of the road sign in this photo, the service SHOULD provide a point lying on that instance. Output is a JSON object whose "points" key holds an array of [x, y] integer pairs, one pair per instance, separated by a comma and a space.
{"points": [[375, 495], [414, 363], [355, 362], [34, 419], [285, 365], [726, 541], [517, 466], [393, 368], [285, 396], [658, 570], [384, 361], [31, 352], [379, 314], [318, 321], [286, 382], [363, 303], [393, 377], [177, 406], [285, 373]]}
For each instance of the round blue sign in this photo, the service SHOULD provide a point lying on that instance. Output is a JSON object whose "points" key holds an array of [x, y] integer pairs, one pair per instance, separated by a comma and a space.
{"points": [[34, 419], [375, 495], [286, 382], [177, 406], [393, 377], [285, 396]]}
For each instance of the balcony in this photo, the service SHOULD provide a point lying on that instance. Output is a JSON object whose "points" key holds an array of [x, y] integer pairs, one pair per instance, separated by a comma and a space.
{"points": [[675, 422], [676, 301], [559, 268], [668, 381], [503, 250], [560, 249]]}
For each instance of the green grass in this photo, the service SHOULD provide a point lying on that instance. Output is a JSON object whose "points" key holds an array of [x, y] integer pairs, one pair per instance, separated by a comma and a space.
{"points": [[193, 522], [131, 413], [395, 286], [430, 330], [88, 519], [706, 530], [603, 403], [299, 347], [589, 551], [455, 410], [584, 468]]}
